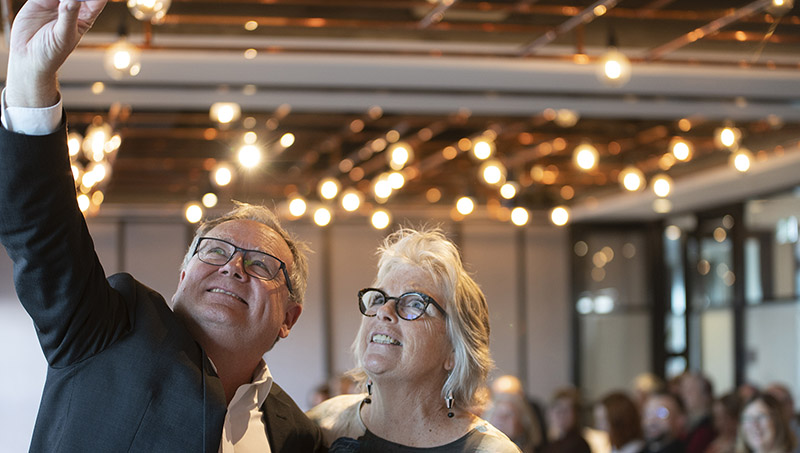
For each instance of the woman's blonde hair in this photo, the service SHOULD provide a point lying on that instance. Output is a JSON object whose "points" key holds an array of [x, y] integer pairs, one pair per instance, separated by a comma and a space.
{"points": [[467, 318]]}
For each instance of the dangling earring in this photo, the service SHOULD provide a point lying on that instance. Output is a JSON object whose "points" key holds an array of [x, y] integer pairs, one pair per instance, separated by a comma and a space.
{"points": [[368, 400], [449, 402]]}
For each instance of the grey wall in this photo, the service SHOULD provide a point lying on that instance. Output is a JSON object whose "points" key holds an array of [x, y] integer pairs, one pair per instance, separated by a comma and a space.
{"points": [[343, 262]]}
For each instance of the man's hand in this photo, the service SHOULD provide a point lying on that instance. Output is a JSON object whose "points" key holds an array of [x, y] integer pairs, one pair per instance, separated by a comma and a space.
{"points": [[43, 35]]}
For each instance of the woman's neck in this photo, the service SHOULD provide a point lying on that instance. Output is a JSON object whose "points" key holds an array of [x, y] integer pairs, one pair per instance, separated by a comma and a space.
{"points": [[414, 416]]}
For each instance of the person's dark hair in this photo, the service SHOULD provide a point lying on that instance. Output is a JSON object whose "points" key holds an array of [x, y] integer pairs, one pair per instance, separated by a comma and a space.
{"points": [[573, 396], [624, 422], [732, 405], [784, 437], [671, 396]]}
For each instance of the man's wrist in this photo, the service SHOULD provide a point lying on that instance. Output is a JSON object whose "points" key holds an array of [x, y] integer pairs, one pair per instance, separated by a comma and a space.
{"points": [[34, 92]]}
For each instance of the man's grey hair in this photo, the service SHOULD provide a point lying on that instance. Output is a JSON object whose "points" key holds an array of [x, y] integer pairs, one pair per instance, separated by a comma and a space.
{"points": [[261, 214], [467, 311]]}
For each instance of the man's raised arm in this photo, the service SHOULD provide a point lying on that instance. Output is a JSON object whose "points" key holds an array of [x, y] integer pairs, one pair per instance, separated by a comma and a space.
{"points": [[43, 35]]}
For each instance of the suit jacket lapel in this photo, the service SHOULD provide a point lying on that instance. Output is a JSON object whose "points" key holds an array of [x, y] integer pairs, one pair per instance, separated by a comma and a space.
{"points": [[214, 407], [275, 419]]}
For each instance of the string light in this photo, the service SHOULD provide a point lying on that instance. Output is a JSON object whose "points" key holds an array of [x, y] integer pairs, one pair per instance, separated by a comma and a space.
{"points": [[287, 140], [222, 175], [483, 149], [297, 207], [519, 216], [586, 157], [351, 200], [249, 156], [209, 200], [193, 212], [559, 216], [741, 160], [727, 137], [681, 149], [122, 59], [328, 188], [225, 112], [465, 205], [631, 178], [399, 155], [662, 185], [509, 190], [322, 217], [493, 172], [153, 11], [381, 219], [614, 68]]}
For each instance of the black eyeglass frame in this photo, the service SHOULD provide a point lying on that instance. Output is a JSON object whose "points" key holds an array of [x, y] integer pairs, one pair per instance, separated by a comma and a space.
{"points": [[244, 252], [426, 298]]}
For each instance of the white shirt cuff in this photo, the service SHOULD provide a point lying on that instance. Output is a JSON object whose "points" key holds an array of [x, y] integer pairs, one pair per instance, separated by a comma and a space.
{"points": [[30, 120]]}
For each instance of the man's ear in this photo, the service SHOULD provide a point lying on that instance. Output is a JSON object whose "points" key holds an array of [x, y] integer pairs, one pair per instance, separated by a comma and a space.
{"points": [[181, 276], [289, 318]]}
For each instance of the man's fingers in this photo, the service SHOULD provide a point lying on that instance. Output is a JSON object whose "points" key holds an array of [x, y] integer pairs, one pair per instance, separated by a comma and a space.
{"points": [[67, 24]]}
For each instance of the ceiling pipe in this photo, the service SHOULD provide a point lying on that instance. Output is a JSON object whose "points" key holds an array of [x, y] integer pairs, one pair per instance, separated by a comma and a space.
{"points": [[710, 28], [583, 17]]}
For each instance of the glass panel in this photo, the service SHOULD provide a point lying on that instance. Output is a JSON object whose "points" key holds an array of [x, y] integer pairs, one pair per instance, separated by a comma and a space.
{"points": [[753, 292], [772, 332], [613, 267], [717, 348], [615, 349]]}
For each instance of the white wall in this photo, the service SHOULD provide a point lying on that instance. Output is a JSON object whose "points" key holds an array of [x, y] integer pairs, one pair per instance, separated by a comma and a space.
{"points": [[151, 249], [772, 339]]}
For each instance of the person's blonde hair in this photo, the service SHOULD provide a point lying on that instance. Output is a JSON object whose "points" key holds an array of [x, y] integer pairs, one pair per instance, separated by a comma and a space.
{"points": [[467, 318], [298, 273]]}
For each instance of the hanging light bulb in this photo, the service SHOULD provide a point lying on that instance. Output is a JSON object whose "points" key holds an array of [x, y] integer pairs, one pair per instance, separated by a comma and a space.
{"points": [[209, 200], [681, 149], [780, 7], [586, 157], [493, 172], [465, 205], [559, 216], [382, 188], [328, 188], [662, 185], [297, 206], [153, 11], [509, 190], [222, 175], [614, 68], [122, 59], [631, 178], [381, 219], [351, 199], [249, 156], [322, 216], [519, 216], [741, 160], [727, 137], [399, 155], [225, 112], [483, 148], [193, 212]]}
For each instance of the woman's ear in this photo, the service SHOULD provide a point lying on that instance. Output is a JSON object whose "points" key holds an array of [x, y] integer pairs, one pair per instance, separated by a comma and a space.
{"points": [[450, 363]]}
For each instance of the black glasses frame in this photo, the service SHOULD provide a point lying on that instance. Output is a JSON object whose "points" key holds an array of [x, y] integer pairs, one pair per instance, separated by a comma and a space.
{"points": [[428, 301], [244, 252]]}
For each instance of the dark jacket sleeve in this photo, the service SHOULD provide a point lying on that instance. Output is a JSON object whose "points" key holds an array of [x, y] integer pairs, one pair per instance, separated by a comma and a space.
{"points": [[57, 275], [289, 430]]}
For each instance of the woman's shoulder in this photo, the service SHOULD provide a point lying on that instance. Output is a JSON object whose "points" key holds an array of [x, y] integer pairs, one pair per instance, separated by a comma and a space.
{"points": [[338, 417], [486, 438]]}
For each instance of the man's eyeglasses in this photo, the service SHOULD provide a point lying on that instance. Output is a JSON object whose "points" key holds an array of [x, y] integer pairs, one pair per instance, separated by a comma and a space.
{"points": [[408, 306], [264, 266]]}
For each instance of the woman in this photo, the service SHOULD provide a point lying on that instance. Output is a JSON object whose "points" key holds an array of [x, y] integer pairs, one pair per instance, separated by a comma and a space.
{"points": [[726, 411], [423, 353], [763, 428], [565, 426], [617, 414], [511, 413]]}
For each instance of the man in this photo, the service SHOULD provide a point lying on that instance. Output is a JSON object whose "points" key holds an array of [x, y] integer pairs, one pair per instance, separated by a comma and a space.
{"points": [[697, 395], [663, 422], [125, 372]]}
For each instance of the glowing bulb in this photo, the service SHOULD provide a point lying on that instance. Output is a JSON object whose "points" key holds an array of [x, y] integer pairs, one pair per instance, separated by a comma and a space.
{"points": [[297, 207], [380, 219], [322, 216], [559, 216], [149, 10], [614, 69], [225, 112], [250, 137], [465, 205], [222, 175], [193, 213], [209, 200], [74, 142], [508, 190], [727, 137], [287, 140], [249, 156], [519, 216], [382, 188], [351, 200], [681, 149], [84, 202], [328, 188], [122, 59], [742, 159], [483, 149], [396, 180], [586, 157], [662, 185], [631, 178], [399, 155]]}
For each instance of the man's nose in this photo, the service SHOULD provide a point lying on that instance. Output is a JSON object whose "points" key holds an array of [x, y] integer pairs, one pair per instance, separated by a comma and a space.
{"points": [[235, 266]]}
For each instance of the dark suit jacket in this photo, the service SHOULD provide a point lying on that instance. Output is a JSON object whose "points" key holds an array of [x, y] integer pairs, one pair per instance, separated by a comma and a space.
{"points": [[124, 374]]}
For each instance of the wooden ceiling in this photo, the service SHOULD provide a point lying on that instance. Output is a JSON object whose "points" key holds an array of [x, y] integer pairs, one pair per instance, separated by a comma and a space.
{"points": [[342, 74]]}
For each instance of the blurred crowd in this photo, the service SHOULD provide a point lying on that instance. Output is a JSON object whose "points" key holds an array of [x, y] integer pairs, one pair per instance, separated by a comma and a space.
{"points": [[682, 415]]}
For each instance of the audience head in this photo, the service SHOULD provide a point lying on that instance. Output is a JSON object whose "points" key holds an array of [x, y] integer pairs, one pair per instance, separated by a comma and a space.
{"points": [[511, 413], [726, 411], [697, 394], [645, 385], [782, 394], [564, 411], [763, 427], [507, 384], [409, 257], [618, 415], [663, 418]]}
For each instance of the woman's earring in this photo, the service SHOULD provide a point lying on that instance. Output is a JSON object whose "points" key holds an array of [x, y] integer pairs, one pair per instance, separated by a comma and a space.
{"points": [[449, 401], [369, 392]]}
